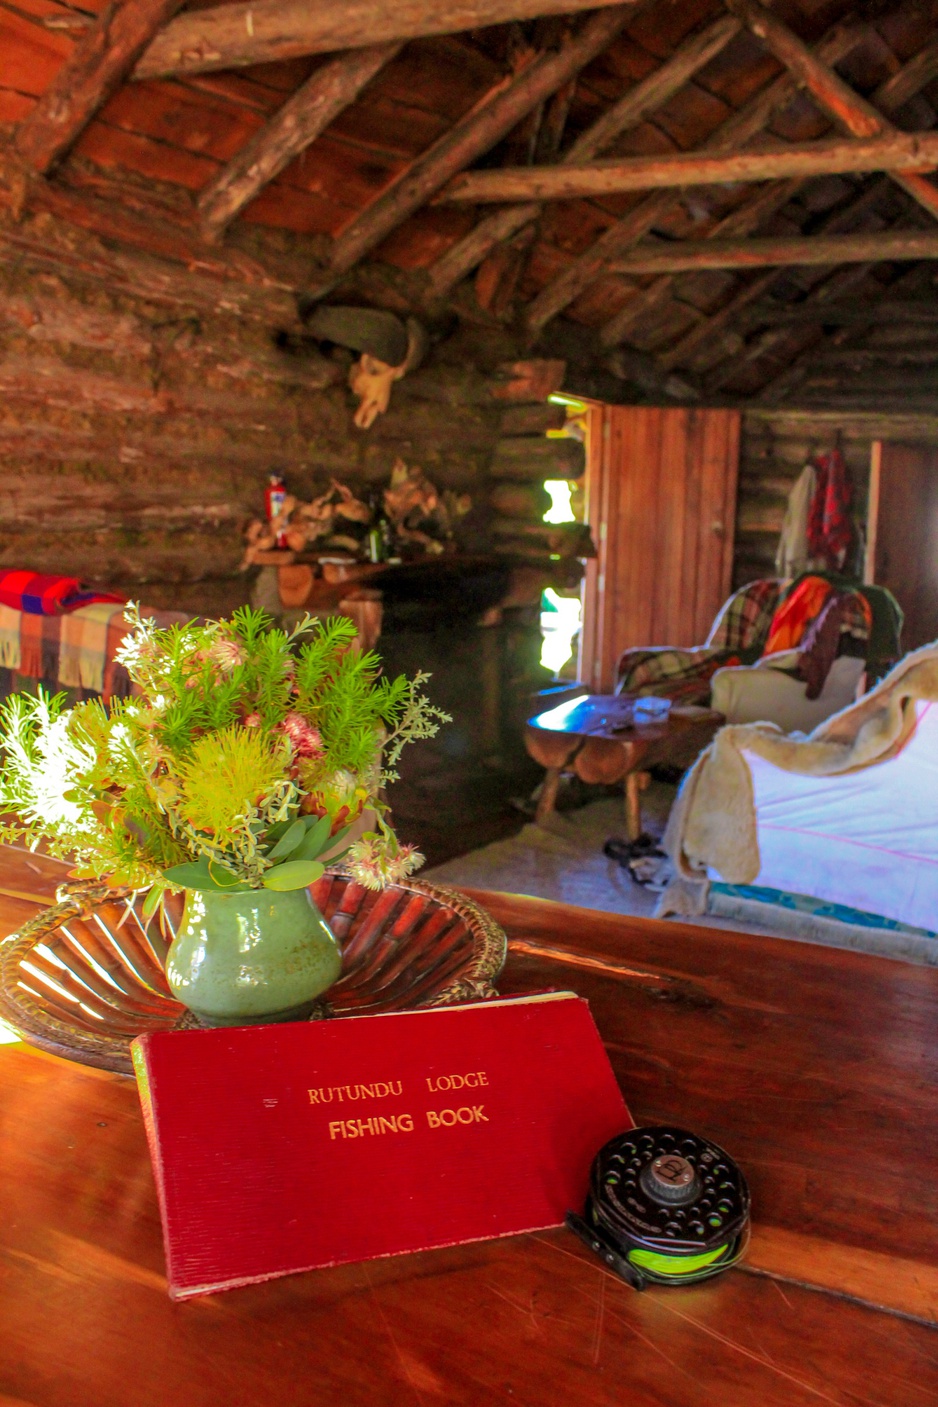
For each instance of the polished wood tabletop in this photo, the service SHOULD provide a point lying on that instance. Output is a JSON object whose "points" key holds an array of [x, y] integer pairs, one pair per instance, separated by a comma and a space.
{"points": [[816, 1069]]}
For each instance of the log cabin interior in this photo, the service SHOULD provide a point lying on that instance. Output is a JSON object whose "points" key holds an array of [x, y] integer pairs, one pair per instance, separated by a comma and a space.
{"points": [[585, 356]]}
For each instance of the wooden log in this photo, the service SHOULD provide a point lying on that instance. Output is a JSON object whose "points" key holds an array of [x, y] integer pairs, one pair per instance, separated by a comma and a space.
{"points": [[524, 459], [150, 279], [817, 250], [99, 63], [525, 501], [751, 119], [233, 36], [557, 539], [915, 151], [710, 328], [846, 312], [740, 222], [848, 110], [533, 419], [298, 123], [48, 381], [528, 381], [896, 91], [480, 129], [628, 112]]}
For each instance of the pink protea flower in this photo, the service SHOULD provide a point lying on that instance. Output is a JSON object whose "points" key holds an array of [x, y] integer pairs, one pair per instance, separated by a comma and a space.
{"points": [[252, 720], [306, 740], [227, 654]]}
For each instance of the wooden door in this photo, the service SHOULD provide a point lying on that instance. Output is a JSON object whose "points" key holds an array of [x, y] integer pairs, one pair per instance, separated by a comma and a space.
{"points": [[902, 542], [662, 499]]}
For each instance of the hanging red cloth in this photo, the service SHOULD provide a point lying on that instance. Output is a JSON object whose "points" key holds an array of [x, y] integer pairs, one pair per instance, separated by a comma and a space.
{"points": [[830, 526]]}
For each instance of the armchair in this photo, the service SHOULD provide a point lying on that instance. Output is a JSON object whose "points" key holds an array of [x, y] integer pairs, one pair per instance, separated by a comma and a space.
{"points": [[752, 666]]}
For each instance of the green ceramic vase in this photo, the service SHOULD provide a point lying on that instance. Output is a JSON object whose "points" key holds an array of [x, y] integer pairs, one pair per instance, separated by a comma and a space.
{"points": [[250, 957]]}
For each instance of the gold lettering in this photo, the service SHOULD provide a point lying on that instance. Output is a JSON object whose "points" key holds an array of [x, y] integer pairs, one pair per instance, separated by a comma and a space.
{"points": [[448, 1118], [473, 1080], [337, 1127]]}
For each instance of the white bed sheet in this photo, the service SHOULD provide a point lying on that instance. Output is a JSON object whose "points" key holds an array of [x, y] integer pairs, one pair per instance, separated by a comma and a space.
{"points": [[868, 839]]}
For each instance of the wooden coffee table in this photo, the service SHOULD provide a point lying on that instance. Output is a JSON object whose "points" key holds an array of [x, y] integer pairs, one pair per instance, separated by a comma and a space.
{"points": [[597, 737]]}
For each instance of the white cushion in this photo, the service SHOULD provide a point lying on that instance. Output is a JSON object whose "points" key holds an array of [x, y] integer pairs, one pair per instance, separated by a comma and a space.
{"points": [[762, 694]]}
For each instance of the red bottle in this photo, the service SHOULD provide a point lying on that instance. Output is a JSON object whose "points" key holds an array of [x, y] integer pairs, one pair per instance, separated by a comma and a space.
{"points": [[275, 496]]}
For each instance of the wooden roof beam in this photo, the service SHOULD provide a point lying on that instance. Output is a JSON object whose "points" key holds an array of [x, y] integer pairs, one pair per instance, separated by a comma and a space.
{"points": [[847, 312], [794, 250], [898, 151], [843, 281], [738, 223], [784, 382], [298, 123], [848, 110], [490, 120], [710, 327], [628, 112], [751, 119], [262, 31], [891, 95], [99, 63]]}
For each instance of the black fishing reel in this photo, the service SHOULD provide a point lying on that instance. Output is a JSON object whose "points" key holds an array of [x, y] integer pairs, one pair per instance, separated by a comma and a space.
{"points": [[665, 1208]]}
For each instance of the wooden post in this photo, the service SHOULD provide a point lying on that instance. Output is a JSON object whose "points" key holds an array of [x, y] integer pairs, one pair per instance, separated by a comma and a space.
{"points": [[298, 123], [99, 63], [485, 125]]}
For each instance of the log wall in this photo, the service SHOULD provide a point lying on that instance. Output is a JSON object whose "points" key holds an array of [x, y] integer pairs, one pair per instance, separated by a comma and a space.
{"points": [[137, 429], [774, 447]]}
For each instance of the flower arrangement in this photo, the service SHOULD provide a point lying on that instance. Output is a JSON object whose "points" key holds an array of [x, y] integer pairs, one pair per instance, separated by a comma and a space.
{"points": [[245, 761]]}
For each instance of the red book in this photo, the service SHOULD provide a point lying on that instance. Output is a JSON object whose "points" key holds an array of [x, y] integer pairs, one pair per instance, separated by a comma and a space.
{"points": [[288, 1147]]}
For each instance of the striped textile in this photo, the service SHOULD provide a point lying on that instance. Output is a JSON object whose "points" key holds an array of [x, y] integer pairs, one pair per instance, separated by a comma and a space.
{"points": [[41, 594], [744, 620], [684, 675], [681, 675], [73, 651]]}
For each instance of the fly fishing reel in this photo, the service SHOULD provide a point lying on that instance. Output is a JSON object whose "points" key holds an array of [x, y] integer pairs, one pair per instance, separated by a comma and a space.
{"points": [[664, 1207]]}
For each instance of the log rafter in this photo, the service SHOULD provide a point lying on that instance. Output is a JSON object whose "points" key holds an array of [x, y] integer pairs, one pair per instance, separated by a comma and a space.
{"points": [[889, 98], [485, 125], [894, 151], [790, 251], [305, 114], [742, 126], [852, 113], [101, 60], [262, 31], [632, 109]]}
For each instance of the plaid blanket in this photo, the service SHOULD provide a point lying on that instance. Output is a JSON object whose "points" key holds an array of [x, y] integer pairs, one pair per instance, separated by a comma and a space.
{"points": [[684, 675], [41, 595], [73, 651]]}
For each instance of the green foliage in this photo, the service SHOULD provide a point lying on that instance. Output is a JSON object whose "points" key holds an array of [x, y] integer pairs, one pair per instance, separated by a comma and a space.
{"points": [[249, 753]]}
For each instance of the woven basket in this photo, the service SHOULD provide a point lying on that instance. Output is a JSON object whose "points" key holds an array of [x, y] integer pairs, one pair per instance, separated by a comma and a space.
{"points": [[83, 978]]}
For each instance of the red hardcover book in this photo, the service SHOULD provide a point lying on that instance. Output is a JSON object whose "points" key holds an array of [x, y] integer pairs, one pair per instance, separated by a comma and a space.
{"points": [[285, 1148]]}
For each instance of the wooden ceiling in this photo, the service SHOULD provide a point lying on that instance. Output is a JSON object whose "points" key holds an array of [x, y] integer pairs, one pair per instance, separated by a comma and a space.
{"points": [[707, 200]]}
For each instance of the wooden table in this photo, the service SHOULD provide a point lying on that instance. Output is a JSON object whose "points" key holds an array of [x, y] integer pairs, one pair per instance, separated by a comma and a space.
{"points": [[602, 739], [817, 1069]]}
